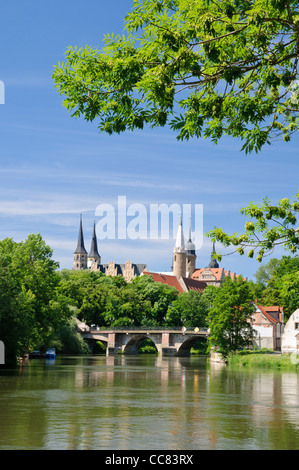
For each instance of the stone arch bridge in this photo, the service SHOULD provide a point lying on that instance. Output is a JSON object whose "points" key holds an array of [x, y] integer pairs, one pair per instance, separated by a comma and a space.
{"points": [[169, 342]]}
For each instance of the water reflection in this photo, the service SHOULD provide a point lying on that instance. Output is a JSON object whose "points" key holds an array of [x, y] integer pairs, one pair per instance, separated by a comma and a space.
{"points": [[145, 402]]}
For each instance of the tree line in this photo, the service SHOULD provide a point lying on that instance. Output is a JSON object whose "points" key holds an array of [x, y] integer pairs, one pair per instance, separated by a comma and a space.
{"points": [[40, 304]]}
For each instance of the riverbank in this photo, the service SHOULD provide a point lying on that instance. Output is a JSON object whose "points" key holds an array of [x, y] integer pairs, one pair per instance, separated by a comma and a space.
{"points": [[265, 360]]}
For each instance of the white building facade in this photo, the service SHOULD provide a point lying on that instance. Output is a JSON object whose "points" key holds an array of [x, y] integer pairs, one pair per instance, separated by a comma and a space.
{"points": [[290, 337]]}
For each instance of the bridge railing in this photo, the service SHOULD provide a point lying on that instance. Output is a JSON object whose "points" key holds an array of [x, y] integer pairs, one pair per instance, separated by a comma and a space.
{"points": [[148, 328]]}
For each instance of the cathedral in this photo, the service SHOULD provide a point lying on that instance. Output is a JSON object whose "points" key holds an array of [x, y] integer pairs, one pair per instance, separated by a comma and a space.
{"points": [[184, 273], [93, 262]]}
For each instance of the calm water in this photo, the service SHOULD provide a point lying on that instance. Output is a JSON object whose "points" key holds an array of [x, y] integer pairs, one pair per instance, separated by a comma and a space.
{"points": [[145, 402]]}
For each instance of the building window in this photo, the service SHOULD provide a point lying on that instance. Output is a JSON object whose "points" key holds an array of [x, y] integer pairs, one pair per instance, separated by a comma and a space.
{"points": [[296, 326]]}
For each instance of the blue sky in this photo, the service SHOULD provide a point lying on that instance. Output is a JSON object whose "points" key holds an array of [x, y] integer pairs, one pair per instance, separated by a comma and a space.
{"points": [[53, 167]]}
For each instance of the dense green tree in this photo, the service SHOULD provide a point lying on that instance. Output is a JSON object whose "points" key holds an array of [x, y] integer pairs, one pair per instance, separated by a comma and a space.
{"points": [[110, 301], [265, 271], [209, 294], [95, 295], [157, 296], [67, 340], [189, 309], [73, 283], [30, 307], [10, 316], [229, 318], [282, 287], [93, 305]]}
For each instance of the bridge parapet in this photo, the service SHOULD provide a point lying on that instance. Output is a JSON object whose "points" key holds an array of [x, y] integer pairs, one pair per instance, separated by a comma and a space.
{"points": [[153, 329]]}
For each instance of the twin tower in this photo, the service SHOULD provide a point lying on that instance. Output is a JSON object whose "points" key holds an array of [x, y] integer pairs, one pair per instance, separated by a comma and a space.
{"points": [[184, 256], [82, 260]]}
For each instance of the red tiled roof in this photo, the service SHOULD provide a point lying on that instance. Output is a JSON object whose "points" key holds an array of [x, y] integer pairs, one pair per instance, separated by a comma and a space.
{"points": [[193, 284], [217, 272], [273, 308], [190, 284], [166, 279], [270, 311]]}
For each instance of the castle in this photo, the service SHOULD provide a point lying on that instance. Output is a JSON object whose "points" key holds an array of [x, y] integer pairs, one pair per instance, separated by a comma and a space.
{"points": [[184, 272], [184, 263]]}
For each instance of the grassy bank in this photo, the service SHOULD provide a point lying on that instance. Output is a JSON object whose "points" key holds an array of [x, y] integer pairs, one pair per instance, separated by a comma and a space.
{"points": [[264, 360]]}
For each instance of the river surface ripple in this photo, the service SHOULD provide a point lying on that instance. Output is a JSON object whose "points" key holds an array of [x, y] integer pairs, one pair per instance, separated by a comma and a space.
{"points": [[146, 402]]}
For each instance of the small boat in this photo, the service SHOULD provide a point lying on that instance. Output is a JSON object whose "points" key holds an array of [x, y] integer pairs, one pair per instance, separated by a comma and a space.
{"points": [[50, 353], [35, 355]]}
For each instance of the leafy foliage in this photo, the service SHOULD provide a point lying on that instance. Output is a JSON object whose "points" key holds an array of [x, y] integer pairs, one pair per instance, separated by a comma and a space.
{"points": [[206, 68], [229, 317], [189, 309], [30, 307], [269, 226], [110, 301], [282, 286]]}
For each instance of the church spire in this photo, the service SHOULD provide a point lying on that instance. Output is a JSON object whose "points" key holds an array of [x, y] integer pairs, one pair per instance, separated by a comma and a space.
{"points": [[80, 245], [213, 263], [190, 247], [94, 259], [190, 254], [94, 245], [179, 254], [80, 254], [180, 243]]}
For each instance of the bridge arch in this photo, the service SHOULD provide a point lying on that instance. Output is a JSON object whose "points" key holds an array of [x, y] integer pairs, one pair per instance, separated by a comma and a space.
{"points": [[185, 347], [133, 345]]}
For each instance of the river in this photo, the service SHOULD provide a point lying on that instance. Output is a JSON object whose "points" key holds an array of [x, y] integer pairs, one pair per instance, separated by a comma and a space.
{"points": [[146, 402]]}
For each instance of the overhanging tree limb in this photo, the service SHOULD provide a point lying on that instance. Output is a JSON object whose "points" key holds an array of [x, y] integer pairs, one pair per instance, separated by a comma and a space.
{"points": [[207, 48], [269, 226]]}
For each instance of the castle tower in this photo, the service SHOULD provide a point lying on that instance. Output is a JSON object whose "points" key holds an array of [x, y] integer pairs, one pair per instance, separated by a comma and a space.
{"points": [[93, 258], [179, 254], [80, 254], [213, 262], [190, 255]]}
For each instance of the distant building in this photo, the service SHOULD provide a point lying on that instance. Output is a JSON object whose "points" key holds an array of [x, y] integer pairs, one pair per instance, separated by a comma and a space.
{"points": [[268, 324], [93, 261], [290, 337], [214, 276], [184, 275], [184, 262]]}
